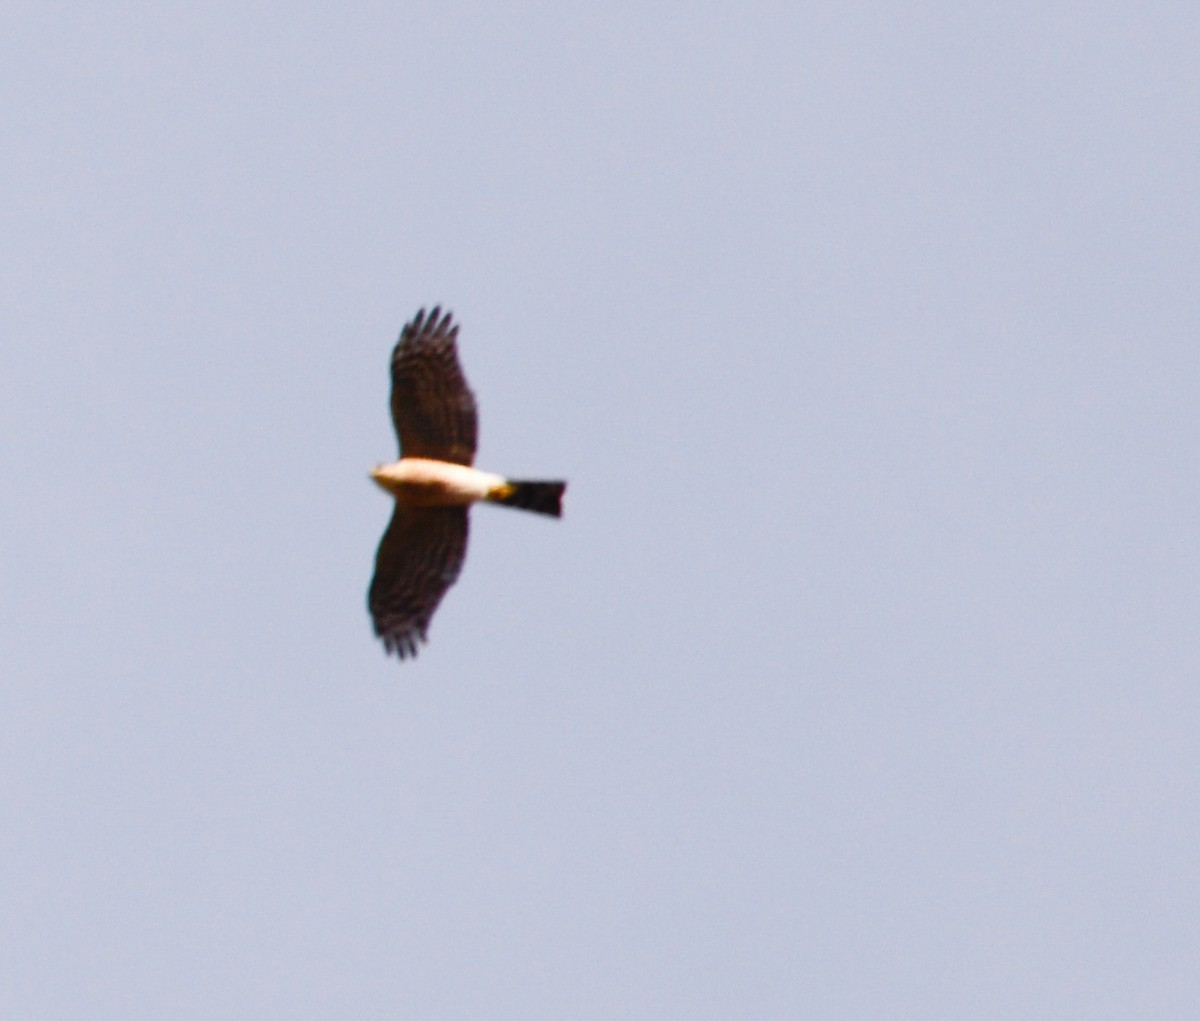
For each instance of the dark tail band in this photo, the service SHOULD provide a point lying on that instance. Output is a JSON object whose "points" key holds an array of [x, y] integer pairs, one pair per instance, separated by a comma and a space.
{"points": [[539, 497]]}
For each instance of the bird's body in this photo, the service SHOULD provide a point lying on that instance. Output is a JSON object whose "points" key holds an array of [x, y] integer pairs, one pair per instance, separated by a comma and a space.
{"points": [[433, 484], [424, 482]]}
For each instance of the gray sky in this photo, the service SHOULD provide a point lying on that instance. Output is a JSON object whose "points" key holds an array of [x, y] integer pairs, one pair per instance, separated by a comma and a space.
{"points": [[860, 679]]}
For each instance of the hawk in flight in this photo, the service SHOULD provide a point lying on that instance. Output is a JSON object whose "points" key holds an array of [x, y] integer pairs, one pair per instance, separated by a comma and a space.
{"points": [[433, 484]]}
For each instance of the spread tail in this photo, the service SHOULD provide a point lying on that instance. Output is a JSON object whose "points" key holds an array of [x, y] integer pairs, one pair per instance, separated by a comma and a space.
{"points": [[539, 497]]}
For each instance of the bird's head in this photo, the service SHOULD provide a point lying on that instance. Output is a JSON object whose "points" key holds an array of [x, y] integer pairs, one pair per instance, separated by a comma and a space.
{"points": [[379, 476]]}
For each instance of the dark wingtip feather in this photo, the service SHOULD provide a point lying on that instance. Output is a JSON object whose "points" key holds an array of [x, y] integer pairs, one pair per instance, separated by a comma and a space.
{"points": [[436, 324]]}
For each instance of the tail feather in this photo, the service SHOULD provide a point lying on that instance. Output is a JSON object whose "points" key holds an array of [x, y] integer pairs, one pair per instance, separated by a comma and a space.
{"points": [[539, 497]]}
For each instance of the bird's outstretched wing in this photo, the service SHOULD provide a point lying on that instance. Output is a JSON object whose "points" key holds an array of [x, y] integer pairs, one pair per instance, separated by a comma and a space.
{"points": [[419, 558], [432, 406]]}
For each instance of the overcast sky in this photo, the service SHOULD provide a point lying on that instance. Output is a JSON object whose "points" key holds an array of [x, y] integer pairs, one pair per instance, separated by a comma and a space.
{"points": [[859, 679]]}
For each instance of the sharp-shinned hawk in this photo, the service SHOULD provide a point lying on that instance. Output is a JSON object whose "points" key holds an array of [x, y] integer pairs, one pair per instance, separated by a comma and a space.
{"points": [[433, 484]]}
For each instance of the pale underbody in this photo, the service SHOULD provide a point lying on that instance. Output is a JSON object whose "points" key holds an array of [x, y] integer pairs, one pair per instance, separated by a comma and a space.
{"points": [[424, 482]]}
